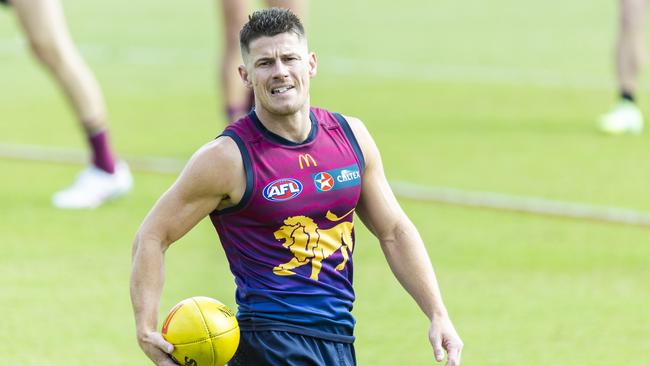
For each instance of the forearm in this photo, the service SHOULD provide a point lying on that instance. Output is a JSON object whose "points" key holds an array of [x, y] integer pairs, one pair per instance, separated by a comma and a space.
{"points": [[410, 263], [147, 279]]}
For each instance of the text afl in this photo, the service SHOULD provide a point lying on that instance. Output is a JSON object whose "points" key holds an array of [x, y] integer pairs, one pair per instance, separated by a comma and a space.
{"points": [[282, 189]]}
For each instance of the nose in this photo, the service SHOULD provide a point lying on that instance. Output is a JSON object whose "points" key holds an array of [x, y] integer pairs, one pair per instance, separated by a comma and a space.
{"points": [[280, 70]]}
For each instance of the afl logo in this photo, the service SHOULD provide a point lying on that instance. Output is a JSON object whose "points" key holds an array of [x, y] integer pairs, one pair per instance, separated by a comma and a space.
{"points": [[323, 181], [282, 189]]}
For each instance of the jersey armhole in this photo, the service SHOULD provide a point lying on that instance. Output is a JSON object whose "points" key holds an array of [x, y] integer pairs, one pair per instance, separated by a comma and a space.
{"points": [[353, 140], [248, 169]]}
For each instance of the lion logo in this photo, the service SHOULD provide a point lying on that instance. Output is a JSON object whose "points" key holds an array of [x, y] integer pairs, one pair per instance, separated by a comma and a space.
{"points": [[310, 244]]}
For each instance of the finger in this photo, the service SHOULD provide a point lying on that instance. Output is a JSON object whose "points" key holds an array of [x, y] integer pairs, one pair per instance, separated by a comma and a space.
{"points": [[437, 347], [167, 361], [161, 358], [453, 355]]}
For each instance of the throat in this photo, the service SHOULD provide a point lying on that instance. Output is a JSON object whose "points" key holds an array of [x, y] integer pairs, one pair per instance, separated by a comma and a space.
{"points": [[294, 128]]}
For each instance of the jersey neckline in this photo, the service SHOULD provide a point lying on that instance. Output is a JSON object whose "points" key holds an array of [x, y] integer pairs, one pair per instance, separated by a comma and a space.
{"points": [[279, 139]]}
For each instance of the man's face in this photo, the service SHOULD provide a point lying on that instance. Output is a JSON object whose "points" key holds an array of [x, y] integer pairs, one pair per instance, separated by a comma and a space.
{"points": [[278, 69]]}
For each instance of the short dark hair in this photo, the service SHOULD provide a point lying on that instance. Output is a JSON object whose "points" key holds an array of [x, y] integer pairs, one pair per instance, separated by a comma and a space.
{"points": [[269, 23]]}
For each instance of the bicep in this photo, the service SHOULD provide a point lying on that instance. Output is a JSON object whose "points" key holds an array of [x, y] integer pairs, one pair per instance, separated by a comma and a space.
{"points": [[378, 208], [209, 176], [176, 212]]}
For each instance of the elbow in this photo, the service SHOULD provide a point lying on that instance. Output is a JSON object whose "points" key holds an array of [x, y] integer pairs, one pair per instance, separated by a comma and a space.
{"points": [[138, 242], [394, 234], [144, 239], [390, 235]]}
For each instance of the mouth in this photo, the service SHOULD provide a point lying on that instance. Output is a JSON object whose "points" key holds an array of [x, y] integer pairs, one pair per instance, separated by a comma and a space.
{"points": [[281, 90]]}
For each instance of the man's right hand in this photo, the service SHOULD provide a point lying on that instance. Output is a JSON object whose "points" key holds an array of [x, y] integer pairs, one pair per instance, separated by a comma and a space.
{"points": [[157, 348]]}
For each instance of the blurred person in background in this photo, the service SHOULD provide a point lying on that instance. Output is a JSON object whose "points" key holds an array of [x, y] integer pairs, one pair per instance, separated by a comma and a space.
{"points": [[625, 117], [43, 23], [238, 100]]}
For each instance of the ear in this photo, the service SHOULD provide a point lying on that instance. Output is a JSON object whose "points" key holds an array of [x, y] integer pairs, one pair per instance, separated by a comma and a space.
{"points": [[313, 64], [243, 73]]}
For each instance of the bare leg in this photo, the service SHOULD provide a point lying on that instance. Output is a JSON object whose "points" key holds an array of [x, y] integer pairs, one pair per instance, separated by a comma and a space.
{"points": [[44, 25], [626, 117], [630, 45], [236, 96]]}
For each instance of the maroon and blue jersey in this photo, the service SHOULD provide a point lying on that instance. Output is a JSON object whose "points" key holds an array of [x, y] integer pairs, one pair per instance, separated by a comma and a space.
{"points": [[290, 239]]}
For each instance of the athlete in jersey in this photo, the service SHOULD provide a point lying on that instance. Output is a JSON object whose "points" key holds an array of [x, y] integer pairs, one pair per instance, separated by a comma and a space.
{"points": [[282, 186], [292, 252]]}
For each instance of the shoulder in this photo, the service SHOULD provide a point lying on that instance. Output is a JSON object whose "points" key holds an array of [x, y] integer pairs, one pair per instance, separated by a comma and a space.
{"points": [[363, 137], [218, 153], [214, 167], [357, 126]]}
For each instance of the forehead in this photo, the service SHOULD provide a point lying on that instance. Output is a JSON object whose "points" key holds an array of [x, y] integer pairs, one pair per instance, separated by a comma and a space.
{"points": [[282, 43]]}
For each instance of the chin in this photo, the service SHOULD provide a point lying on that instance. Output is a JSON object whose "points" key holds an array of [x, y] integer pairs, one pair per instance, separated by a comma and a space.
{"points": [[283, 110]]}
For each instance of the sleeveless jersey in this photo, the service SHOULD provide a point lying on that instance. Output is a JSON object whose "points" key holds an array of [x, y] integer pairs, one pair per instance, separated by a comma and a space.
{"points": [[289, 241]]}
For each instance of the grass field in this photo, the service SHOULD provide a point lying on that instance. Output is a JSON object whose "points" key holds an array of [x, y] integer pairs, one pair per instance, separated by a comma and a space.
{"points": [[493, 96]]}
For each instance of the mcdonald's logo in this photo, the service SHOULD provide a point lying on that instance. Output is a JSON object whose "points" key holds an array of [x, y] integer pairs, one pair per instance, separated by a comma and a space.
{"points": [[306, 160]]}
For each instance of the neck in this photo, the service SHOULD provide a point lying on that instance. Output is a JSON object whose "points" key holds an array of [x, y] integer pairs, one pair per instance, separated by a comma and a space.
{"points": [[293, 127]]}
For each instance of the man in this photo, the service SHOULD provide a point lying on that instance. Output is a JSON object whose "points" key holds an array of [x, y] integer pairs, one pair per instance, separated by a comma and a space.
{"points": [[238, 100], [281, 186], [626, 117], [106, 178]]}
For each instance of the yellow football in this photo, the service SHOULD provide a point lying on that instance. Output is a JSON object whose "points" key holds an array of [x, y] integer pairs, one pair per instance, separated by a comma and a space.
{"points": [[204, 332]]}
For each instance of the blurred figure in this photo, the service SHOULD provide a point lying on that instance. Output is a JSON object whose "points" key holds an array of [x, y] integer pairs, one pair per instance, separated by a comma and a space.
{"points": [[238, 99], [626, 117], [43, 24]]}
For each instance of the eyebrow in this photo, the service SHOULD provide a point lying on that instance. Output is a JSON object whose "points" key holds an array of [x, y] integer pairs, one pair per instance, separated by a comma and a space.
{"points": [[265, 58]]}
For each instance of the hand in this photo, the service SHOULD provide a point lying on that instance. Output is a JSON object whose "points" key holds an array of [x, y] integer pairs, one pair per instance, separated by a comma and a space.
{"points": [[443, 335], [156, 348]]}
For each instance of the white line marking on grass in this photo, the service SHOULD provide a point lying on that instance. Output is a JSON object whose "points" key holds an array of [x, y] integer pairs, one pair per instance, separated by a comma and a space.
{"points": [[72, 156], [457, 197], [531, 205]]}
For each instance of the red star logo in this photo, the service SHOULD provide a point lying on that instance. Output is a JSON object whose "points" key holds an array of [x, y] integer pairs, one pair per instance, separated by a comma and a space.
{"points": [[326, 182]]}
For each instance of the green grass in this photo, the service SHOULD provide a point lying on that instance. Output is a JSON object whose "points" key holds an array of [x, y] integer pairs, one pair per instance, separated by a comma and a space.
{"points": [[496, 96]]}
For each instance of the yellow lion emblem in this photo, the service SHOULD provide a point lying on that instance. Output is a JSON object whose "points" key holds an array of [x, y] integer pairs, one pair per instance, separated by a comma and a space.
{"points": [[308, 243]]}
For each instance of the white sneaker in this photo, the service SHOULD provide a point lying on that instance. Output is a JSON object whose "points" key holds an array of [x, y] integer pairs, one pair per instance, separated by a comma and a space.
{"points": [[94, 186], [625, 117]]}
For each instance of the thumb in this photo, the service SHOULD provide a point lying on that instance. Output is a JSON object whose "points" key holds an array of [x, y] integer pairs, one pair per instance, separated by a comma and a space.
{"points": [[437, 347], [161, 343]]}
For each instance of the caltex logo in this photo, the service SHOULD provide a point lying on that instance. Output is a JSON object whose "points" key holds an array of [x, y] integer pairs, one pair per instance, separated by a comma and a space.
{"points": [[339, 178], [282, 189], [323, 181]]}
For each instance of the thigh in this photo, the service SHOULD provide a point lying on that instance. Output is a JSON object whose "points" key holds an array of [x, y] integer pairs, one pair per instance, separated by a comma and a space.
{"points": [[234, 14], [632, 14], [42, 20], [276, 348]]}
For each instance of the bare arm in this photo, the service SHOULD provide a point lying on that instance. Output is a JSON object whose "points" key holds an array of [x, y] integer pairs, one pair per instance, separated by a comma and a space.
{"points": [[213, 177], [403, 247]]}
